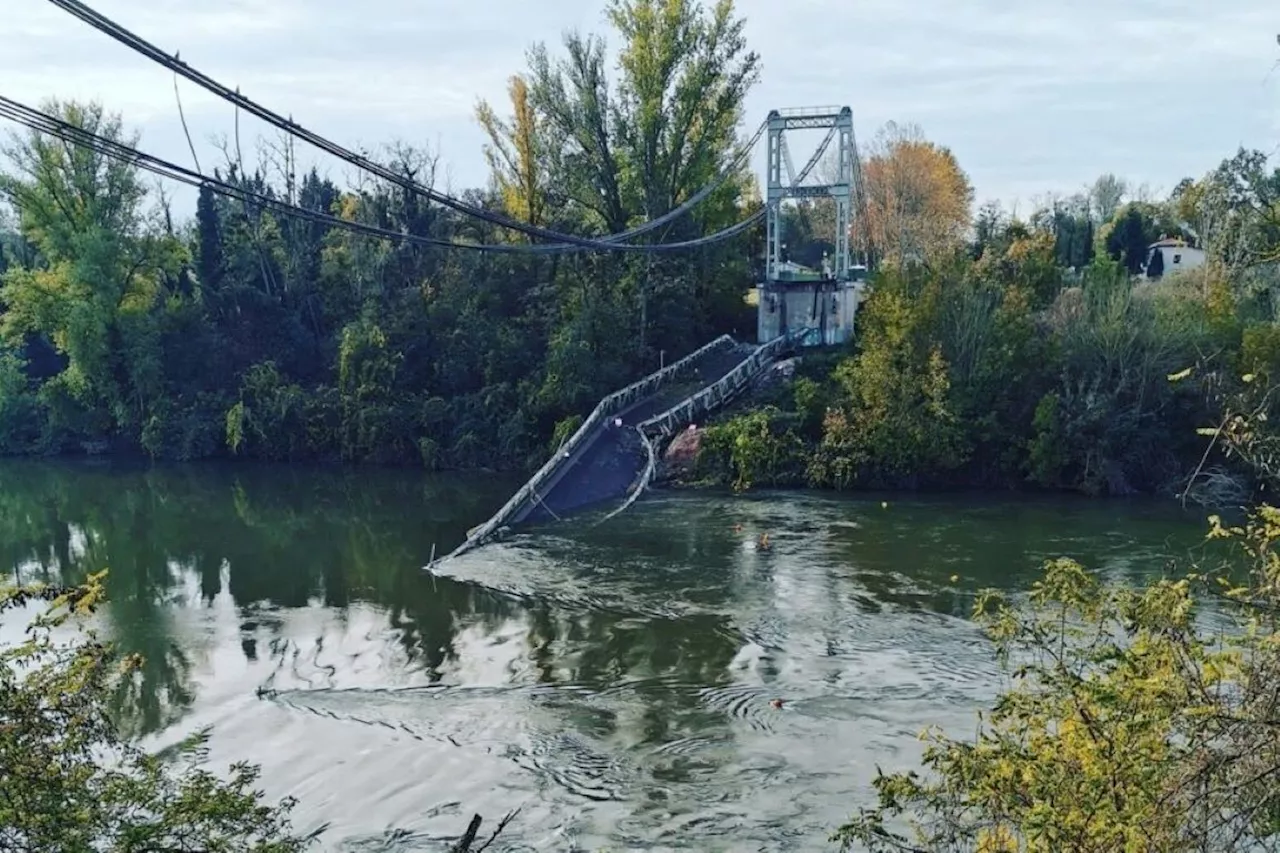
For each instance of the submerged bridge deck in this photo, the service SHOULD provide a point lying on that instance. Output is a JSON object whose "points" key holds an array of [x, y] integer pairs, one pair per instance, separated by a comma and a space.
{"points": [[604, 461], [611, 460]]}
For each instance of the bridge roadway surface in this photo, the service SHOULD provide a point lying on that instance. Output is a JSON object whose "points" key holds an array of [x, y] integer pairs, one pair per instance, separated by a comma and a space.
{"points": [[615, 457]]}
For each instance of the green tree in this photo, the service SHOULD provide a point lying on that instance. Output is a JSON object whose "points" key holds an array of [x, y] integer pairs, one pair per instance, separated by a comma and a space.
{"points": [[103, 271], [637, 149], [209, 246], [1234, 211], [1155, 267], [895, 423], [72, 783], [1131, 233]]}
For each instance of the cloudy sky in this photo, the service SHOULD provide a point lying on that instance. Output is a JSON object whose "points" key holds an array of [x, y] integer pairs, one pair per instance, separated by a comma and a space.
{"points": [[1033, 96]]}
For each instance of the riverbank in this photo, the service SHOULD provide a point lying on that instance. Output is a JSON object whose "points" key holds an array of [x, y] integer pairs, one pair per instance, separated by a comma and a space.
{"points": [[962, 378]]}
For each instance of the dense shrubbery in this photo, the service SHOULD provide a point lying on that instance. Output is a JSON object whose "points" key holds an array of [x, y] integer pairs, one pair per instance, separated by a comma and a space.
{"points": [[999, 366], [248, 333], [71, 780]]}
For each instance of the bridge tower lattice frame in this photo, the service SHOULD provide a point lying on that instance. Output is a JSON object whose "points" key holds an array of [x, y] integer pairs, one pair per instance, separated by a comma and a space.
{"points": [[843, 191]]}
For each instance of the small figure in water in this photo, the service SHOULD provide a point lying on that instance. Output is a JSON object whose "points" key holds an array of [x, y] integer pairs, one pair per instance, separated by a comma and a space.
{"points": [[617, 423], [763, 543], [776, 703]]}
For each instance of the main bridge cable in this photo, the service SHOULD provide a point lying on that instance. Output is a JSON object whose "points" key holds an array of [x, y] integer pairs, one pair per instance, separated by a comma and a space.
{"points": [[53, 126], [566, 242], [46, 124]]}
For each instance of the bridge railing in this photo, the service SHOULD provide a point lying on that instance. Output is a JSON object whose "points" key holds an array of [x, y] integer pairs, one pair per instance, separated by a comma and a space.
{"points": [[608, 407], [713, 396]]}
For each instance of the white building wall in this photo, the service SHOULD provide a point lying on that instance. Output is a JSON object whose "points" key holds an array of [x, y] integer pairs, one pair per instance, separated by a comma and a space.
{"points": [[1178, 258]]}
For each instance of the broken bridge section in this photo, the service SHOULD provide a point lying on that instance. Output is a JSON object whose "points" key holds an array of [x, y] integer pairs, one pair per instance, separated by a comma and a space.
{"points": [[611, 455], [612, 461]]}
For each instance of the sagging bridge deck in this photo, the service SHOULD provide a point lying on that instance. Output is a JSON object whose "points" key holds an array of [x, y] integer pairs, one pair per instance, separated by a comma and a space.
{"points": [[605, 461]]}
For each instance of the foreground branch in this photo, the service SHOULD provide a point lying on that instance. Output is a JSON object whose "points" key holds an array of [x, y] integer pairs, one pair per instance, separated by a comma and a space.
{"points": [[468, 838]]}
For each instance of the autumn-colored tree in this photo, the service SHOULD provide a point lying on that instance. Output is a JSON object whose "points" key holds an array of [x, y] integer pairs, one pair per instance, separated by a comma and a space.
{"points": [[918, 198], [1126, 724], [515, 152]]}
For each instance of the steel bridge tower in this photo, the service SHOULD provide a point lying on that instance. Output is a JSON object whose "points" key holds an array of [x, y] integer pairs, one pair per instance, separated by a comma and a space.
{"points": [[825, 301]]}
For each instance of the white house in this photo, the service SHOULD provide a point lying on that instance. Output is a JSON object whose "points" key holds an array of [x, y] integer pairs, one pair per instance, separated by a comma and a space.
{"points": [[1176, 255]]}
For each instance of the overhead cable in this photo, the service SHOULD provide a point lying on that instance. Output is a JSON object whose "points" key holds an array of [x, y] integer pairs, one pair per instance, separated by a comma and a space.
{"points": [[70, 133], [610, 243]]}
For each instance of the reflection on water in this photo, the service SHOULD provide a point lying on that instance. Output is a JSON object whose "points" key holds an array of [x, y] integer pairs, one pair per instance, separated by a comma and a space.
{"points": [[617, 682]]}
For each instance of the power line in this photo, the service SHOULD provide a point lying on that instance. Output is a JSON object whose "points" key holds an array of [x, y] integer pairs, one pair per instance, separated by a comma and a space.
{"points": [[612, 243], [44, 123]]}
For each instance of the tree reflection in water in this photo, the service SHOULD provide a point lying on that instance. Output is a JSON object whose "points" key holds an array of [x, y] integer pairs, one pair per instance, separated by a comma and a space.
{"points": [[176, 538]]}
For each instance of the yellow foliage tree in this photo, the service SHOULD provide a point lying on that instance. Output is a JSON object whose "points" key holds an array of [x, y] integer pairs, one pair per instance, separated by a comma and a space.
{"points": [[514, 154], [1127, 726], [918, 198]]}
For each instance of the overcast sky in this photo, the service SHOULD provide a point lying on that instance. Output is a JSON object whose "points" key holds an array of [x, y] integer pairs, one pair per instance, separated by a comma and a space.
{"points": [[1032, 95]]}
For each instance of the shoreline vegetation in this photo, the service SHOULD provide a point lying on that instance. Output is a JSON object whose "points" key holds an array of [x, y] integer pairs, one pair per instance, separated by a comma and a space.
{"points": [[1052, 351], [994, 351]]}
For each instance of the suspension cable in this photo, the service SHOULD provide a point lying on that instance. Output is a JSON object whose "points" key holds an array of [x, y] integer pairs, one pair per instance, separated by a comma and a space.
{"points": [[53, 126], [611, 243]]}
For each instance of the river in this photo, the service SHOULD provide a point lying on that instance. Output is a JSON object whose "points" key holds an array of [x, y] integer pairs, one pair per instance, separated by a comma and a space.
{"points": [[613, 682]]}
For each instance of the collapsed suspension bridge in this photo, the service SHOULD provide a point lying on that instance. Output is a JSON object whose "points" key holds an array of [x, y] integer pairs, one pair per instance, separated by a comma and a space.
{"points": [[613, 454]]}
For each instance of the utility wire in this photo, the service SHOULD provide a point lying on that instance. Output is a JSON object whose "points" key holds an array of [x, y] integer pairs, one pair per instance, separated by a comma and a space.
{"points": [[611, 243], [49, 125], [53, 126]]}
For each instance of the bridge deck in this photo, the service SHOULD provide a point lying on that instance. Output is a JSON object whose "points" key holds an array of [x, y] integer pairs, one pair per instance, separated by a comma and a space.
{"points": [[613, 459], [603, 460]]}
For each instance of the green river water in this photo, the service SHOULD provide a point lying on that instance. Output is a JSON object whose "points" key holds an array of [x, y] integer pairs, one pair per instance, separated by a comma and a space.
{"points": [[614, 681]]}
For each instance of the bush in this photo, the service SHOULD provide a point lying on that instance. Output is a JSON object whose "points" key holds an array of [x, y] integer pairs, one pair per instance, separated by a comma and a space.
{"points": [[1126, 725], [755, 449], [71, 782]]}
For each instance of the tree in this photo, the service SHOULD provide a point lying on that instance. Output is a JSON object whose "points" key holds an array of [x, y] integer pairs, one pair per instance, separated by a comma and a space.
{"points": [[988, 227], [895, 417], [72, 783], [1130, 236], [103, 270], [1127, 725], [1155, 267], [613, 153], [638, 149], [209, 245], [1106, 195], [1234, 210], [918, 198], [515, 154]]}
